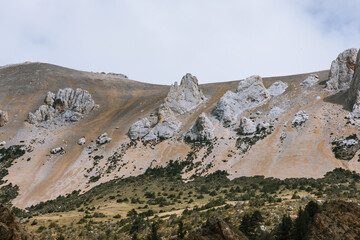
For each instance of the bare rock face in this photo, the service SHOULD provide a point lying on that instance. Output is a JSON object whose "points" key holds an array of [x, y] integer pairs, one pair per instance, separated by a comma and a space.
{"points": [[202, 129], [66, 105], [186, 96], [181, 99], [342, 70], [249, 94], [310, 81], [10, 228], [4, 118], [277, 88], [247, 126], [300, 118], [354, 91]]}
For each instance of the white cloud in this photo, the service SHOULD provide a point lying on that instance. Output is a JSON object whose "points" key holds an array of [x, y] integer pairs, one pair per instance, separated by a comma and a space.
{"points": [[159, 41]]}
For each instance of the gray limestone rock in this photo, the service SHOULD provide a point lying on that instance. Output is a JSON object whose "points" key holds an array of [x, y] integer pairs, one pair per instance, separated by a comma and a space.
{"points": [[202, 129], [310, 81], [300, 118], [82, 141], [4, 118], [342, 70], [56, 150], [66, 105], [247, 126], [184, 97], [181, 99], [354, 90], [277, 88], [249, 94], [103, 139]]}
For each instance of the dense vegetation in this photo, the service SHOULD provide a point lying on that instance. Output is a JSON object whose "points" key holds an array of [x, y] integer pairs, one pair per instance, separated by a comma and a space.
{"points": [[159, 202]]}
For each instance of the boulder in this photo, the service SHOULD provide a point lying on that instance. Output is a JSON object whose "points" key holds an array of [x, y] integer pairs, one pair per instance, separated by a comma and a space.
{"points": [[186, 96], [103, 139], [249, 94], [4, 118], [66, 105], [139, 129], [202, 129], [247, 126], [277, 88], [82, 141], [300, 118], [56, 150], [3, 143], [163, 130], [342, 70], [310, 81]]}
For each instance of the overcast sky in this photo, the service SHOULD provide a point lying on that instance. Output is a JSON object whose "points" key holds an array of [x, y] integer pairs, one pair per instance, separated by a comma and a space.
{"points": [[158, 41]]}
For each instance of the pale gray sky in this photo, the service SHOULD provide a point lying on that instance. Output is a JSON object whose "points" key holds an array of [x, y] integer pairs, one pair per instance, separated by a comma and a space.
{"points": [[158, 41]]}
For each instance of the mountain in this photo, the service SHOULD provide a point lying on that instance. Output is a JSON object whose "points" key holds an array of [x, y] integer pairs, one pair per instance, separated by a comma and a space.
{"points": [[65, 130]]}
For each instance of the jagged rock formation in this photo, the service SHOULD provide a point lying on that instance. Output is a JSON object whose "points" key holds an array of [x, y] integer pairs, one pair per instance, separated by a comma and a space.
{"points": [[277, 88], [66, 105], [310, 80], [342, 70], [354, 91], [300, 118], [4, 118], [103, 139], [249, 94], [180, 99], [217, 229], [202, 129], [184, 97], [81, 141], [10, 228], [247, 126]]}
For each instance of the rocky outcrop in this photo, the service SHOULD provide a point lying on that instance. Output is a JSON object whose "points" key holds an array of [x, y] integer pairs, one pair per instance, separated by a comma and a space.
{"points": [[249, 94], [10, 228], [300, 118], [184, 97], [66, 105], [277, 88], [217, 229], [354, 91], [310, 81], [181, 99], [337, 220], [202, 129], [81, 141], [342, 70], [247, 126], [246, 141], [103, 139], [345, 149], [4, 118]]}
